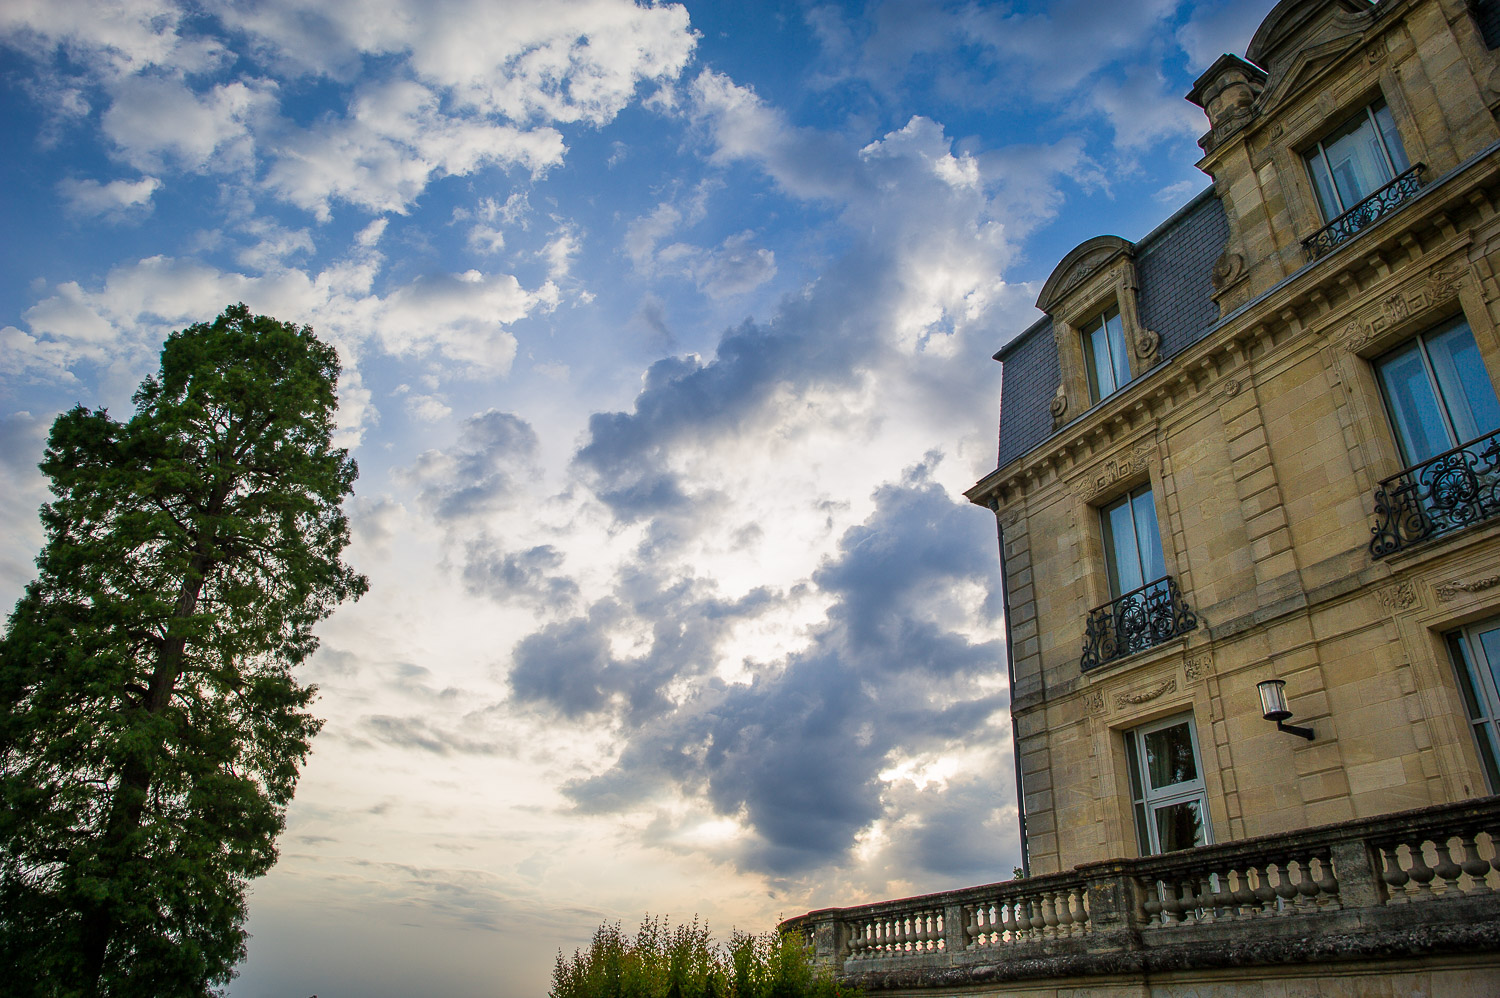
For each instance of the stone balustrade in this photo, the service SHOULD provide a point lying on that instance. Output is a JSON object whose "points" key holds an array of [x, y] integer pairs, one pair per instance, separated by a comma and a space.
{"points": [[1416, 882]]}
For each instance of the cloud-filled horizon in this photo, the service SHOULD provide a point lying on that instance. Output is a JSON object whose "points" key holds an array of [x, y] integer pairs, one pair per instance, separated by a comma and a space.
{"points": [[666, 334]]}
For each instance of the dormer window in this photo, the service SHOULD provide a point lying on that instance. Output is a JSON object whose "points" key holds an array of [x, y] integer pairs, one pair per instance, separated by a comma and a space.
{"points": [[1356, 159], [1105, 354]]}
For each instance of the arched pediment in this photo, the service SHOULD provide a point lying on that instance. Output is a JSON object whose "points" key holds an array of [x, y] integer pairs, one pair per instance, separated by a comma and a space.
{"points": [[1083, 260], [1297, 33]]}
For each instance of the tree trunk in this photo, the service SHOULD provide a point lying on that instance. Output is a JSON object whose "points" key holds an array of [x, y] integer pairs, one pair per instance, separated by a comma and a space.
{"points": [[135, 782]]}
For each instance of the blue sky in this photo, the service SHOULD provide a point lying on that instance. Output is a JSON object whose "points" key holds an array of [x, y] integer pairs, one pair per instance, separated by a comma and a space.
{"points": [[666, 336]]}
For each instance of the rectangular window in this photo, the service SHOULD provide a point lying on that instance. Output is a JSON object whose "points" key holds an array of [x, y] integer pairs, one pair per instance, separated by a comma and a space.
{"points": [[1132, 542], [1105, 355], [1438, 393], [1166, 784], [1356, 159], [1476, 662]]}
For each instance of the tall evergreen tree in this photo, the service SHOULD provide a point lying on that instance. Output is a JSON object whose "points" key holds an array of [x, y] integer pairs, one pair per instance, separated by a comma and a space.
{"points": [[151, 730]]}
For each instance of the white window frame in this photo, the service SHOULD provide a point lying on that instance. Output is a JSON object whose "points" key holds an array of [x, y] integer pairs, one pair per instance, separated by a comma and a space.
{"points": [[1111, 322], [1111, 548], [1319, 153], [1146, 800], [1442, 393], [1476, 676]]}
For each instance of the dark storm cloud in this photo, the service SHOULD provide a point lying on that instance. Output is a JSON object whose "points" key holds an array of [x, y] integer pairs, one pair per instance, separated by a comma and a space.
{"points": [[797, 753], [533, 575], [568, 666], [962, 829], [494, 454], [421, 733]]}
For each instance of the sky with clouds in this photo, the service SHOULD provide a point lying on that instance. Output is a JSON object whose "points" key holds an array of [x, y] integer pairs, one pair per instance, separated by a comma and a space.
{"points": [[666, 335]]}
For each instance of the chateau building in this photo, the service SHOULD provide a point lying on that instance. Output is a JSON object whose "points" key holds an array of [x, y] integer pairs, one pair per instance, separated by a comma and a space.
{"points": [[1248, 493]]}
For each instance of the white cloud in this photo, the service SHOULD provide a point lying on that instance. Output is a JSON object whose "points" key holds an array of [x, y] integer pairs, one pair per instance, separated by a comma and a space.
{"points": [[734, 267], [114, 201], [156, 121], [274, 244], [396, 139], [524, 60], [428, 408]]}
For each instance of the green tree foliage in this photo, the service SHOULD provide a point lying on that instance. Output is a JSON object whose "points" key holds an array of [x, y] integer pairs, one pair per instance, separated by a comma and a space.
{"points": [[682, 962], [151, 730]]}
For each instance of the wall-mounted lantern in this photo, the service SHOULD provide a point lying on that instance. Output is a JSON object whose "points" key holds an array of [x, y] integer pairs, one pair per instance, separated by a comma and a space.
{"points": [[1273, 706]]}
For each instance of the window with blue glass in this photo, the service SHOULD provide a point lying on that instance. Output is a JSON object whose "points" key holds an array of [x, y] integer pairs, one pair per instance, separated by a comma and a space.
{"points": [[1438, 393], [1132, 542], [1356, 159], [1105, 355]]}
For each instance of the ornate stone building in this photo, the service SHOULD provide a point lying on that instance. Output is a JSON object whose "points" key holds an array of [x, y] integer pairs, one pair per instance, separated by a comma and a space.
{"points": [[1249, 473]]}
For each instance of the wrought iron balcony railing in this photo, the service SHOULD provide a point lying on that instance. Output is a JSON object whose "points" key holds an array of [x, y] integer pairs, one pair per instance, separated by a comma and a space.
{"points": [[1141, 619], [1447, 492], [1384, 201]]}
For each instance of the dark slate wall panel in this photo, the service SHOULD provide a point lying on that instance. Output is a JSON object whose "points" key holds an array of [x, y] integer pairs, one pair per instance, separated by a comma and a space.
{"points": [[1175, 269], [1175, 266], [1028, 380], [1487, 13]]}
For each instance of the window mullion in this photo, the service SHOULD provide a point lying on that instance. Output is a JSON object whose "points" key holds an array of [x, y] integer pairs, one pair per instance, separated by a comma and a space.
{"points": [[1333, 182], [1437, 391]]}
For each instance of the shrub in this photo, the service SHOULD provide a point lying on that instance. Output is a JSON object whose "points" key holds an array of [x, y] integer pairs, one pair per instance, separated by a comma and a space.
{"points": [[683, 962]]}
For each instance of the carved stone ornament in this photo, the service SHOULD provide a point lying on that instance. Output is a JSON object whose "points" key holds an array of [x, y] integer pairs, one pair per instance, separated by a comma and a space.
{"points": [[1147, 344], [1196, 668], [1093, 702], [1059, 403], [1113, 470], [1448, 591], [1230, 267], [1146, 695], [1232, 387], [1439, 286], [1398, 597]]}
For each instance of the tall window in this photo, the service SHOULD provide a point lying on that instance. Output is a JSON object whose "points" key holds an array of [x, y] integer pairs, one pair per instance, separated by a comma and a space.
{"points": [[1476, 660], [1166, 786], [1438, 393], [1356, 159], [1104, 351], [1132, 542]]}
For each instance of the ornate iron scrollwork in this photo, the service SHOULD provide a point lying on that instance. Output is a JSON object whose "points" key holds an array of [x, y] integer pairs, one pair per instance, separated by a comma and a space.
{"points": [[1447, 492], [1384, 201], [1141, 619]]}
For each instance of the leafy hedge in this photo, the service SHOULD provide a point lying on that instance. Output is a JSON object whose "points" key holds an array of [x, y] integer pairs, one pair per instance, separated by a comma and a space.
{"points": [[684, 962]]}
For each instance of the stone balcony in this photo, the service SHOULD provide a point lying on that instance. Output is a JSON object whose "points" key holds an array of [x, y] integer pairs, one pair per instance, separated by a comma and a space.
{"points": [[1409, 885]]}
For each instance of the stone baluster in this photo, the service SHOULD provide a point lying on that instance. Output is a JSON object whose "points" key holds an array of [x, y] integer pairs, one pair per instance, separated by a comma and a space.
{"points": [[1049, 915], [1246, 905], [1286, 891], [1307, 887], [1062, 901], [1473, 864], [1421, 873], [1447, 868], [1151, 903], [1328, 884], [1224, 903], [1265, 893], [1010, 930], [1173, 907], [1392, 873]]}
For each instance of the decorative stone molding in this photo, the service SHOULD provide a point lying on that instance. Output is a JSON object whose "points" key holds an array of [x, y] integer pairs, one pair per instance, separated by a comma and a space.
{"points": [[1113, 470], [1196, 668], [1448, 591], [1093, 703], [1147, 345], [1232, 387], [1146, 695], [1228, 269], [1440, 285], [1059, 404], [1400, 596]]}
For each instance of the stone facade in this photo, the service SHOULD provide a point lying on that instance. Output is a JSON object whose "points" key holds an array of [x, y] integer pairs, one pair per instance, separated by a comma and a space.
{"points": [[1244, 426], [1263, 442]]}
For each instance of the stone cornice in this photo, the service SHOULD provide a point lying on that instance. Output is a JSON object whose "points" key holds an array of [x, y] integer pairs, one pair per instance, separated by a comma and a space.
{"points": [[1313, 301]]}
